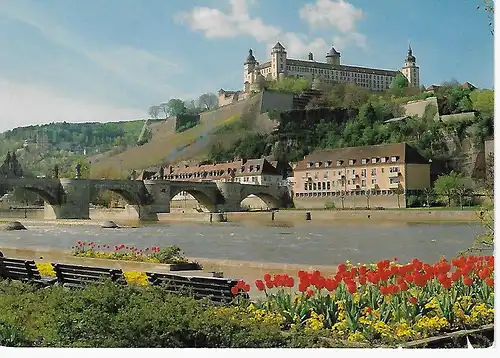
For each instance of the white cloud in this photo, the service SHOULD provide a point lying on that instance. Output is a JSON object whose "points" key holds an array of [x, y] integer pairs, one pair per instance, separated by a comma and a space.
{"points": [[328, 14], [24, 105], [215, 23]]}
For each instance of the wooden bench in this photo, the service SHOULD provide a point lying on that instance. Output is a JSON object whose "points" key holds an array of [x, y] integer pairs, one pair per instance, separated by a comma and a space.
{"points": [[218, 290], [23, 270], [79, 275]]}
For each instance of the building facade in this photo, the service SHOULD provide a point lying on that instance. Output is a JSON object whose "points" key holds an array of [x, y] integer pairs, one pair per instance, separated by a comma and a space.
{"points": [[371, 176], [331, 71], [251, 171]]}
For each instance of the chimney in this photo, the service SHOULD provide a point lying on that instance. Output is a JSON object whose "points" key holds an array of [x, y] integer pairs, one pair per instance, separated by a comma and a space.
{"points": [[311, 56]]}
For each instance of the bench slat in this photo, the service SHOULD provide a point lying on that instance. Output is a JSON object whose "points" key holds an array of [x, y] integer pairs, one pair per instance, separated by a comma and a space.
{"points": [[194, 285], [88, 273], [201, 290], [85, 268]]}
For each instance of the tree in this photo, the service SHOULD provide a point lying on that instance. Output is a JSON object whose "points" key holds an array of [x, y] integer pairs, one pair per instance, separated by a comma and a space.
{"points": [[429, 195], [449, 186], [398, 84], [368, 194], [173, 107], [483, 101], [208, 101], [154, 111]]}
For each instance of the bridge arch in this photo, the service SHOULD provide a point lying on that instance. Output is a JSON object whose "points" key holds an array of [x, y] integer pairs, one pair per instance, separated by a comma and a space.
{"points": [[258, 199], [204, 200], [49, 193], [44, 194]]}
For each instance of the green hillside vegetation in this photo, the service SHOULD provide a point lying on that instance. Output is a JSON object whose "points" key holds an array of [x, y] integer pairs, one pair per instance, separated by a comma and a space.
{"points": [[40, 147], [355, 117]]}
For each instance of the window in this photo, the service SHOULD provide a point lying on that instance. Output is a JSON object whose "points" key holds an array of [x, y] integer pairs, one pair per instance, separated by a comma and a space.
{"points": [[318, 164], [364, 161], [394, 170], [325, 175], [352, 161], [374, 160], [354, 172], [383, 159], [316, 175], [324, 186], [394, 159], [310, 164], [328, 163], [314, 186], [382, 170], [339, 163], [374, 172], [307, 174], [374, 181], [310, 186], [363, 173], [363, 183], [349, 182], [327, 185]]}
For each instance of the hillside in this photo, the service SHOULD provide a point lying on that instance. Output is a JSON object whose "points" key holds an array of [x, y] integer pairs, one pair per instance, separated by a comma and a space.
{"points": [[224, 125], [40, 147]]}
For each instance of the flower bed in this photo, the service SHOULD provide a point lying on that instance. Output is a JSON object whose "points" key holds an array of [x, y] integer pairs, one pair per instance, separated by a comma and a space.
{"points": [[385, 303], [155, 254]]}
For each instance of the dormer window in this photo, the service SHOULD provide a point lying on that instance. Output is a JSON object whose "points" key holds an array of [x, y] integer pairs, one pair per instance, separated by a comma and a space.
{"points": [[318, 164], [257, 168], [310, 164], [394, 159], [339, 163], [352, 161], [383, 159], [374, 160], [242, 169], [251, 168], [364, 161], [328, 163]]}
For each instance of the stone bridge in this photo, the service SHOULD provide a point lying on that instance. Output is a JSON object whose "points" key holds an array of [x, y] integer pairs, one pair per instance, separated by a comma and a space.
{"points": [[70, 198]]}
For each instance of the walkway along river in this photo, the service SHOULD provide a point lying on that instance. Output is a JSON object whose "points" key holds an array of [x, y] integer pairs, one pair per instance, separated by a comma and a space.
{"points": [[310, 244]]}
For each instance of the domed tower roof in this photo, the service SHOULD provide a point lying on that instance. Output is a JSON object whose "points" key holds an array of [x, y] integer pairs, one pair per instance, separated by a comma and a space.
{"points": [[410, 57], [250, 58], [332, 52]]}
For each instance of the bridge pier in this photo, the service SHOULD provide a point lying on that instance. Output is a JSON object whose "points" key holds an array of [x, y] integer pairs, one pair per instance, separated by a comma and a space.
{"points": [[160, 191], [73, 203]]}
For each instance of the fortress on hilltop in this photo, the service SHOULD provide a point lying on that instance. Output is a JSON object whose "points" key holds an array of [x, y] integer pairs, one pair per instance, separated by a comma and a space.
{"points": [[332, 71]]}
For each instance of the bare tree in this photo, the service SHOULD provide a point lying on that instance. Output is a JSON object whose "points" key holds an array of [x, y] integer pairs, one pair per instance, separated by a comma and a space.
{"points": [[154, 111], [208, 101]]}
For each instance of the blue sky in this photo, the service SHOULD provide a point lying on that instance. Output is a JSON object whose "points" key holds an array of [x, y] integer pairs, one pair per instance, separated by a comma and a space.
{"points": [[109, 60]]}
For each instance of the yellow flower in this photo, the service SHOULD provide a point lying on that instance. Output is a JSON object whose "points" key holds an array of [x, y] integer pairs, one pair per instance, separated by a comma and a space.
{"points": [[45, 269], [135, 277], [356, 337]]}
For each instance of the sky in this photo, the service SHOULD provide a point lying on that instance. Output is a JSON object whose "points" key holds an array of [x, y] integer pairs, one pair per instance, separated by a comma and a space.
{"points": [[110, 60]]}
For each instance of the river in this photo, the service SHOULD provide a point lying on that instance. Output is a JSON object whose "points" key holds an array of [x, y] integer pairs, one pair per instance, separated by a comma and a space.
{"points": [[304, 243]]}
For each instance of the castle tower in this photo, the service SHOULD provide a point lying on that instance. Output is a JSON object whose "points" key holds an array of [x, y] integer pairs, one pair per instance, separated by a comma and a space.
{"points": [[248, 69], [333, 57], [278, 60], [410, 70]]}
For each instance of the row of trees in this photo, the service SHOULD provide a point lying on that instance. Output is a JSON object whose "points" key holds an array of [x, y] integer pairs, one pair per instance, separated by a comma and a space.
{"points": [[175, 106]]}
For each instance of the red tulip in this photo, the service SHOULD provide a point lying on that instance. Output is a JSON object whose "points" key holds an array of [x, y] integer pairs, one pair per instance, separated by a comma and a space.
{"points": [[489, 281], [235, 290], [483, 273], [362, 270], [269, 284], [467, 281], [351, 287], [310, 293], [302, 287], [246, 288], [403, 286], [267, 277], [413, 300], [341, 268], [260, 285], [362, 280]]}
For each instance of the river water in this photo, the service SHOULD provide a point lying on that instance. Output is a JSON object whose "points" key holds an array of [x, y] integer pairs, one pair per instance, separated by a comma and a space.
{"points": [[301, 244]]}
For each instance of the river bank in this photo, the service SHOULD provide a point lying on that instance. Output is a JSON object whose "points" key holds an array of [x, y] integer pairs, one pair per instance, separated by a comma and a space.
{"points": [[235, 269], [283, 217]]}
